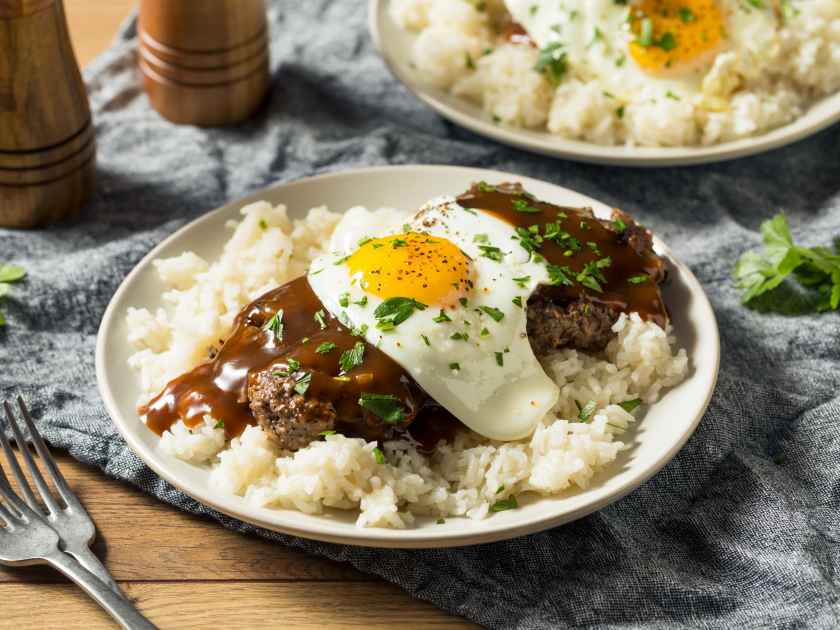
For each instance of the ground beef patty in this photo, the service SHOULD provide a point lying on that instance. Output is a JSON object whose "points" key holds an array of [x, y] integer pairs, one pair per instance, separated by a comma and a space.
{"points": [[582, 324], [289, 419]]}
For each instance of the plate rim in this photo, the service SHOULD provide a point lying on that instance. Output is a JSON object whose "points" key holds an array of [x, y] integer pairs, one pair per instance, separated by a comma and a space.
{"points": [[374, 537], [588, 152]]}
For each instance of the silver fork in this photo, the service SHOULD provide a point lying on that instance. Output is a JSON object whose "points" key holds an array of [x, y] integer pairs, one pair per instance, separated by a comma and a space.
{"points": [[26, 538], [73, 524], [73, 528]]}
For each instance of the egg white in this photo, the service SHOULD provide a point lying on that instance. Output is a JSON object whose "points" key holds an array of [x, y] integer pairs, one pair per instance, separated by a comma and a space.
{"points": [[501, 402]]}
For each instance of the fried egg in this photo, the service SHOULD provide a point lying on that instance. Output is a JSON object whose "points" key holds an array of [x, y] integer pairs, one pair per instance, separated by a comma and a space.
{"points": [[656, 48], [444, 295]]}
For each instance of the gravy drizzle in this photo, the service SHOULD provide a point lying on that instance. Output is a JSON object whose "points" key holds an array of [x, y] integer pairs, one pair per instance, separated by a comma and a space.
{"points": [[628, 283]]}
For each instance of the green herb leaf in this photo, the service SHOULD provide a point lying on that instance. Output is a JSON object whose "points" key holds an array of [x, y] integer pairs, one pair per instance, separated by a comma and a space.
{"points": [[353, 357], [500, 359], [641, 278], [552, 63], [387, 407], [220, 425], [378, 455], [454, 366], [493, 312], [275, 325], [493, 253], [294, 364], [517, 301], [585, 412], [325, 348], [504, 504], [319, 317], [442, 317], [522, 281], [630, 405], [394, 311], [11, 273], [344, 300], [326, 433], [302, 383]]}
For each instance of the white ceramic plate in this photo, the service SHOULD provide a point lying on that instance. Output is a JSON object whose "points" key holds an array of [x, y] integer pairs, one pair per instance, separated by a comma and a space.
{"points": [[663, 430], [394, 45]]}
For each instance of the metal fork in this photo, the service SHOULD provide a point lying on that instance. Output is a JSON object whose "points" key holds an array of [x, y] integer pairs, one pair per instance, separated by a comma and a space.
{"points": [[26, 538], [73, 524], [72, 527]]}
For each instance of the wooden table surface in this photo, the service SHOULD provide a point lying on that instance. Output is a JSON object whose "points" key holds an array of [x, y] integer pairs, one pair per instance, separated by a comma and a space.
{"points": [[183, 571]]}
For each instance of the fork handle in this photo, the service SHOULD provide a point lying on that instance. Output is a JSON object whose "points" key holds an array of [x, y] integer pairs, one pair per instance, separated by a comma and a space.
{"points": [[89, 561], [120, 609]]}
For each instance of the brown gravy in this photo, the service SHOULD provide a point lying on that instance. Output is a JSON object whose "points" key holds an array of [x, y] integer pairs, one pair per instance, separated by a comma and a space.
{"points": [[620, 283], [219, 386]]}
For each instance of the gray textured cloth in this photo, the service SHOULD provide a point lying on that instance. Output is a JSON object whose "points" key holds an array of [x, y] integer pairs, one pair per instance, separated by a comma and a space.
{"points": [[742, 528]]}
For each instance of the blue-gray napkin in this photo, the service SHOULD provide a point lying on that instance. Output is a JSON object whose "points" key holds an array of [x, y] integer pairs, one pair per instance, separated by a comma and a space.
{"points": [[741, 529]]}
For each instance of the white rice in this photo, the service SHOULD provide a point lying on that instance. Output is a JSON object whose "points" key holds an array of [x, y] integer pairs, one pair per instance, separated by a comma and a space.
{"points": [[743, 94], [465, 478]]}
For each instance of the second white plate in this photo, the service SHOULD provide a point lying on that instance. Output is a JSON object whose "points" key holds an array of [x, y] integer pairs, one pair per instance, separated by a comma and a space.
{"points": [[394, 44]]}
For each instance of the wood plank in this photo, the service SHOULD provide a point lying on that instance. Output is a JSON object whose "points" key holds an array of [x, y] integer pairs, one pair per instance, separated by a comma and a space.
{"points": [[239, 605], [93, 24], [144, 539]]}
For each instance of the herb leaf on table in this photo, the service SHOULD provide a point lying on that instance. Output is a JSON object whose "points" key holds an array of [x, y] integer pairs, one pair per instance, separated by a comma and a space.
{"points": [[8, 274], [815, 268]]}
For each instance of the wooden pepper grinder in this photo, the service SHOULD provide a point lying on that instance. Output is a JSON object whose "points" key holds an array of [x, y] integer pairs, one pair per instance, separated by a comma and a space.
{"points": [[47, 149], [204, 62]]}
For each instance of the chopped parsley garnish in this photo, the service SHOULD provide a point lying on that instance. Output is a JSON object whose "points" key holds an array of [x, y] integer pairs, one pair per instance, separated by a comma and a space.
{"points": [[816, 268], [398, 242], [481, 238], [294, 364], [687, 15], [493, 253], [360, 331], [641, 278], [386, 407], [459, 336], [440, 521], [263, 224], [275, 325], [341, 260], [353, 357], [552, 63], [344, 300], [302, 383], [485, 187], [522, 205], [646, 33], [558, 275], [484, 333], [495, 313], [630, 405], [454, 366], [319, 317], [325, 348], [365, 240], [361, 301], [504, 504], [442, 317], [591, 277], [220, 425], [425, 340], [326, 433], [518, 301], [619, 225], [468, 61], [585, 412], [672, 96], [522, 281], [463, 302], [378, 455], [500, 358], [394, 311]]}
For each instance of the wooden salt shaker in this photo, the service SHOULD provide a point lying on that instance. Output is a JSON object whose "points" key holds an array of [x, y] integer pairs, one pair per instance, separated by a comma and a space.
{"points": [[47, 149], [204, 62]]}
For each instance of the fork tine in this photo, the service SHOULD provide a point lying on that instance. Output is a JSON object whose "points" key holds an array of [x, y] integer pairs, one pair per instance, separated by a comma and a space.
{"points": [[7, 516], [46, 457], [16, 471], [7, 493], [37, 477]]}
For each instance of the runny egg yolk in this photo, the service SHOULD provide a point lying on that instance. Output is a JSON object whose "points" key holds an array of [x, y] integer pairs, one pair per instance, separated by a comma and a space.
{"points": [[675, 36], [427, 268]]}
